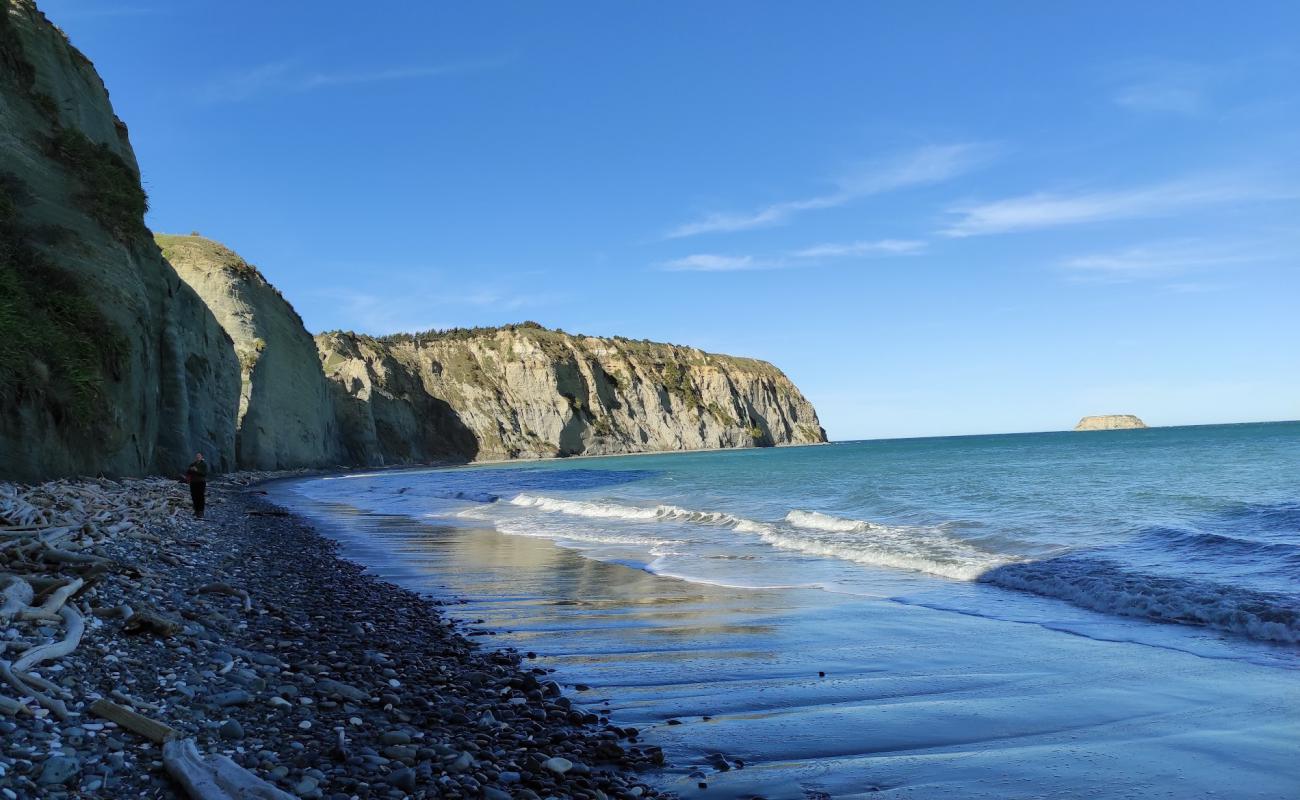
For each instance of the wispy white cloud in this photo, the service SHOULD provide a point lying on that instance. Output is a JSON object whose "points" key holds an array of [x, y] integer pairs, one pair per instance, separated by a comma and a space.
{"points": [[1146, 261], [926, 165], [291, 77], [808, 256], [713, 262], [1048, 210], [1165, 87], [891, 247], [1169, 259], [1156, 96]]}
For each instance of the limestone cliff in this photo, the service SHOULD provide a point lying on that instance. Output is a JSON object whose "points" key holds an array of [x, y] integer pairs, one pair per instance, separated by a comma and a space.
{"points": [[286, 413], [1109, 422], [526, 392], [108, 362]]}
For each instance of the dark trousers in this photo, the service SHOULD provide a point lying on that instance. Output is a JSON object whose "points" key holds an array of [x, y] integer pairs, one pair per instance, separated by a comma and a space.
{"points": [[199, 494]]}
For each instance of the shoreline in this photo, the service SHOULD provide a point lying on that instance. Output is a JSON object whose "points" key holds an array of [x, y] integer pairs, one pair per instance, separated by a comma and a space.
{"points": [[266, 646]]}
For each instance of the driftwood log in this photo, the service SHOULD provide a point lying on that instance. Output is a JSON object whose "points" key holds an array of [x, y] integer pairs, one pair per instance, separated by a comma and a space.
{"points": [[151, 729], [214, 777]]}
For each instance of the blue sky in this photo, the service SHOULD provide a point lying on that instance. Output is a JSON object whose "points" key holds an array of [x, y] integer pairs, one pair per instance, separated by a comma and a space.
{"points": [[937, 218]]}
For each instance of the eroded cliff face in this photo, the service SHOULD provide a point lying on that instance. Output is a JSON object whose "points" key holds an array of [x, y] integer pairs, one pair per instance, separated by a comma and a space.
{"points": [[1109, 422], [527, 392], [108, 362], [111, 363], [286, 413]]}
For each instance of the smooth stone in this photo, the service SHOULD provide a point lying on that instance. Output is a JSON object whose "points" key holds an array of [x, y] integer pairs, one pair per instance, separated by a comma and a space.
{"points": [[58, 770], [234, 697], [463, 762], [403, 779], [231, 729], [558, 765]]}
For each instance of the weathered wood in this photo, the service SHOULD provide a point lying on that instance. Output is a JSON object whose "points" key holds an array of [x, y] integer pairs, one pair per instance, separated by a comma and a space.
{"points": [[12, 707], [148, 620], [151, 729], [76, 626], [118, 694], [214, 777], [56, 706], [54, 603]]}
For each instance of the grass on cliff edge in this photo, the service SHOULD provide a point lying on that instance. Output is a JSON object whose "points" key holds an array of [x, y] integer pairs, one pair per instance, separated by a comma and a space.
{"points": [[660, 353], [55, 344]]}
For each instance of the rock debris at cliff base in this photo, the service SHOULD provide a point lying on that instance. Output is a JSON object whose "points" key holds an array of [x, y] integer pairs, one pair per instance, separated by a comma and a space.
{"points": [[245, 635]]}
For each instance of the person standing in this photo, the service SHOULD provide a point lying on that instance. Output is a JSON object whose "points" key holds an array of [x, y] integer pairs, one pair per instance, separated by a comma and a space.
{"points": [[197, 476]]}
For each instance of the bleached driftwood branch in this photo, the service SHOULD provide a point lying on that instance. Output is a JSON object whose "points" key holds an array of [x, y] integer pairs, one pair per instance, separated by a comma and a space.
{"points": [[214, 777]]}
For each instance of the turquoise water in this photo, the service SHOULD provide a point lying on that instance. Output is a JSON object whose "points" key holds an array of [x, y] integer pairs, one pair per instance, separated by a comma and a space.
{"points": [[1127, 601]]}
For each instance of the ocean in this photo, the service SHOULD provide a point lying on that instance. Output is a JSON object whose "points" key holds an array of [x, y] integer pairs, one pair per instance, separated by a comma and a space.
{"points": [[1112, 613]]}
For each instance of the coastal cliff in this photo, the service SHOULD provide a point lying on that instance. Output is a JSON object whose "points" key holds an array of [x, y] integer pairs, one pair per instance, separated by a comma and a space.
{"points": [[1109, 422], [285, 417], [108, 361], [121, 358], [523, 391]]}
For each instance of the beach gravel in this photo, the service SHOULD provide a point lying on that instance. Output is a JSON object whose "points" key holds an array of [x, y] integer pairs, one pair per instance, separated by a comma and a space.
{"points": [[255, 639]]}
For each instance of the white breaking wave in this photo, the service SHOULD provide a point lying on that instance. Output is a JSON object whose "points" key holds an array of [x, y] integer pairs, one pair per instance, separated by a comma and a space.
{"points": [[917, 548], [582, 508], [825, 522]]}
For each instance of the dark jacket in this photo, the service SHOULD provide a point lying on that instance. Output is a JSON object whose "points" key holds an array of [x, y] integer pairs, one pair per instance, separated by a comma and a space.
{"points": [[197, 472]]}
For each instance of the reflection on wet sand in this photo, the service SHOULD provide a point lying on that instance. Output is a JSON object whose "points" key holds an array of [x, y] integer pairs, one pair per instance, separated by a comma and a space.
{"points": [[817, 692]]}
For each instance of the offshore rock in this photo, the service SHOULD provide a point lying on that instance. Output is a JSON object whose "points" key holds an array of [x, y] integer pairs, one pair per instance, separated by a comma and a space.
{"points": [[1109, 422]]}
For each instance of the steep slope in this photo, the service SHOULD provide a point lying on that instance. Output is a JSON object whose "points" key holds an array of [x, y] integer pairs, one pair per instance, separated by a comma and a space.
{"points": [[526, 392], [286, 413], [108, 362]]}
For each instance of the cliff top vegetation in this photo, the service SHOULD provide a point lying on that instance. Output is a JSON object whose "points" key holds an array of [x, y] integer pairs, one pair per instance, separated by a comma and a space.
{"points": [[646, 349]]}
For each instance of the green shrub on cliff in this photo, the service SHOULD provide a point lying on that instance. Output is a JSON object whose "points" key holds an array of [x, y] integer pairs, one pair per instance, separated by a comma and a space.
{"points": [[110, 188], [55, 344]]}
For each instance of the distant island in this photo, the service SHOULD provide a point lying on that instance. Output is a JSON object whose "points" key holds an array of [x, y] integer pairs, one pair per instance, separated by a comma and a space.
{"points": [[1109, 422]]}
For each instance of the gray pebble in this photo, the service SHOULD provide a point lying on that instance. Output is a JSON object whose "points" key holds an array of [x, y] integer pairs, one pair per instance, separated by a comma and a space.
{"points": [[232, 730]]}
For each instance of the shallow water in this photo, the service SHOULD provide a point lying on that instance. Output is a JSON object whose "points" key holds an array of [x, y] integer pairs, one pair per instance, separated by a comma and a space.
{"points": [[1106, 614]]}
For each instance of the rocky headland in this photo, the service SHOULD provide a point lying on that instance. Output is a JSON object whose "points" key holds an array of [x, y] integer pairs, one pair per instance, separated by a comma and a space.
{"points": [[122, 353], [1109, 422]]}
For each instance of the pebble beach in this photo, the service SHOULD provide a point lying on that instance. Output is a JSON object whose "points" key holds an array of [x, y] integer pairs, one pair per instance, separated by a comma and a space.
{"points": [[244, 637]]}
